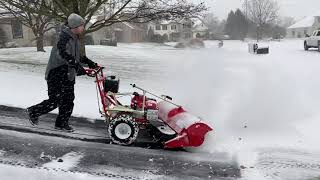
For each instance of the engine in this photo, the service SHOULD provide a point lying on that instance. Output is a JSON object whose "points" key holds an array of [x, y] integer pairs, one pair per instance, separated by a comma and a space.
{"points": [[111, 84], [137, 102]]}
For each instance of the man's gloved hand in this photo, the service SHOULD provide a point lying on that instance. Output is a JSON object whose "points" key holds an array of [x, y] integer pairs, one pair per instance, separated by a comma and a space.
{"points": [[81, 71], [92, 65]]}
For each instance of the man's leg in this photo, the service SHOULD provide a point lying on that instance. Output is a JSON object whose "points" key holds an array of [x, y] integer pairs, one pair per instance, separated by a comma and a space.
{"points": [[65, 106], [45, 106]]}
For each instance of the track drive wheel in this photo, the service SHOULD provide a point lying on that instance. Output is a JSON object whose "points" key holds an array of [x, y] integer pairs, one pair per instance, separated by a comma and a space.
{"points": [[123, 130]]}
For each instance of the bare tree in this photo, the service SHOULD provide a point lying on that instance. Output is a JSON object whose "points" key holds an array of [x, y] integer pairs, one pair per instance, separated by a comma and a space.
{"points": [[103, 13], [38, 23], [3, 37], [212, 22], [262, 13], [286, 21]]}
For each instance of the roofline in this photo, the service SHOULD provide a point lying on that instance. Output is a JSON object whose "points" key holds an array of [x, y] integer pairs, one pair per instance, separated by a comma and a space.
{"points": [[292, 26], [299, 27]]}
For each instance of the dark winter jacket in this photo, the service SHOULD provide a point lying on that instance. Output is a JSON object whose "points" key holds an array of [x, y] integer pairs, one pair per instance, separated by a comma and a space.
{"points": [[65, 56]]}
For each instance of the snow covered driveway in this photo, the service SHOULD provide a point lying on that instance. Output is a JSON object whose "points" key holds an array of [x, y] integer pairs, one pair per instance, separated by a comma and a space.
{"points": [[46, 157]]}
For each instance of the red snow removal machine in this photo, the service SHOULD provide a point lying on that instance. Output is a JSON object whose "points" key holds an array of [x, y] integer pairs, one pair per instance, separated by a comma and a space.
{"points": [[166, 121]]}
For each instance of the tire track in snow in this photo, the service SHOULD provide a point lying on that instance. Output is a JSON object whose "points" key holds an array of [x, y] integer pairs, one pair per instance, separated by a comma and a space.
{"points": [[289, 164]]}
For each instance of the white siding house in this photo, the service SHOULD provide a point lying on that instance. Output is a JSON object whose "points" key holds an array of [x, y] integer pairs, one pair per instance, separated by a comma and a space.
{"points": [[304, 27], [173, 30], [199, 29]]}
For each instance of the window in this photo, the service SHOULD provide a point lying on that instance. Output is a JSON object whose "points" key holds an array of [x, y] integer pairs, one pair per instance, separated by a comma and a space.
{"points": [[173, 27], [318, 34], [158, 27], [293, 33], [315, 33], [17, 31], [187, 35], [299, 35], [185, 26], [164, 27], [305, 31]]}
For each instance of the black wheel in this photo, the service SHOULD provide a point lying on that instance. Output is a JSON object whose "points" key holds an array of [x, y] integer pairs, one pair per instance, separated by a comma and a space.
{"points": [[123, 130], [306, 47]]}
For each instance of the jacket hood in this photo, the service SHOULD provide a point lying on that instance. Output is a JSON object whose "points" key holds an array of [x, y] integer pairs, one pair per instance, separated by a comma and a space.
{"points": [[67, 30]]}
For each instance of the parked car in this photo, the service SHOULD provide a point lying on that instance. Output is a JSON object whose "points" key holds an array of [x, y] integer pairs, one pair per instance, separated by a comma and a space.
{"points": [[313, 41]]}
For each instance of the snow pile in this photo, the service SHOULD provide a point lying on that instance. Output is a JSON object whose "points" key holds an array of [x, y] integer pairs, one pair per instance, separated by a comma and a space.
{"points": [[2, 152], [66, 162], [46, 157]]}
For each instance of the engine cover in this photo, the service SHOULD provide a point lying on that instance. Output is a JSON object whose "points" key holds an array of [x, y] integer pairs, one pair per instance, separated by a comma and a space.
{"points": [[137, 102]]}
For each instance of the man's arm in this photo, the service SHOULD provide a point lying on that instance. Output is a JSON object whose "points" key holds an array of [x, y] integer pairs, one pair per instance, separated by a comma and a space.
{"points": [[87, 61], [62, 48]]}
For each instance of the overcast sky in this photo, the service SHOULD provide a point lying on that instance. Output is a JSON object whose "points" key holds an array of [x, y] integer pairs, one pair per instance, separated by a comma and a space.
{"points": [[294, 8]]}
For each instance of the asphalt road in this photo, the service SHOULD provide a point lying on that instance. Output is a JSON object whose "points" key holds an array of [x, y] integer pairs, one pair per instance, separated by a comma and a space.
{"points": [[25, 146]]}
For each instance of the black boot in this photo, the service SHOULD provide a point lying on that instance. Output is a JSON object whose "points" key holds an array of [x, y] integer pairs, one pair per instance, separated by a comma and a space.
{"points": [[34, 120], [64, 127]]}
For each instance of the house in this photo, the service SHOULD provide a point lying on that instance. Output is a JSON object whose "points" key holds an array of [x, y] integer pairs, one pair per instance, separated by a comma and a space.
{"points": [[128, 32], [23, 36], [200, 30], [121, 32], [172, 30], [304, 27], [13, 31]]}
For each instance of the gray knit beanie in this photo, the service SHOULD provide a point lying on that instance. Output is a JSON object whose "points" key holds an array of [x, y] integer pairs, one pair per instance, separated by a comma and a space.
{"points": [[74, 20]]}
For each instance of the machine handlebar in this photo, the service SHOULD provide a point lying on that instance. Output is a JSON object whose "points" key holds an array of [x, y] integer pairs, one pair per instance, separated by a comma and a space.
{"points": [[163, 97], [94, 72]]}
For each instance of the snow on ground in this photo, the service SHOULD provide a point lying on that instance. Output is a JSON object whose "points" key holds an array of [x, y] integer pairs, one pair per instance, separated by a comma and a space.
{"points": [[21, 173], [2, 152], [66, 162], [258, 105]]}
